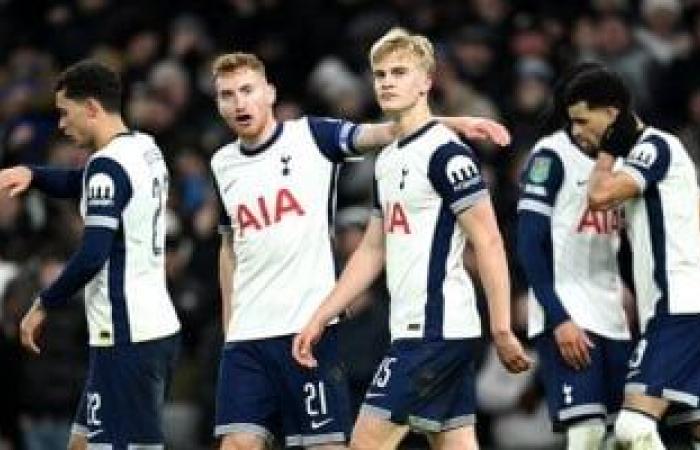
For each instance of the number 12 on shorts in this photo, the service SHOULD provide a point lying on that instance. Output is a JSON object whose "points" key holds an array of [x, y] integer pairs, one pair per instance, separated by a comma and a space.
{"points": [[93, 405]]}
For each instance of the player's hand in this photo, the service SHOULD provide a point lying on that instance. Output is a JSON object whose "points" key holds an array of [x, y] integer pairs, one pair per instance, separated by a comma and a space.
{"points": [[30, 326], [511, 352], [485, 129], [15, 180], [621, 135], [304, 342], [574, 344]]}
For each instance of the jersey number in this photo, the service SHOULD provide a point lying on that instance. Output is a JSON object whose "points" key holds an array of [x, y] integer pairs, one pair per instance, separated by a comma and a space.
{"points": [[381, 378], [93, 405], [315, 391], [159, 187]]}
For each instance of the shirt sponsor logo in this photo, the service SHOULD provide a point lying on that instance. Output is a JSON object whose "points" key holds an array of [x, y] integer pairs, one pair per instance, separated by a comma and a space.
{"points": [[462, 172], [100, 191]]}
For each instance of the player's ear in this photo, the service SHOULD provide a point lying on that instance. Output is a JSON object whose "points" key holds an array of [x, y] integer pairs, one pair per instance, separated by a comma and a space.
{"points": [[612, 112], [271, 94], [92, 107], [428, 84]]}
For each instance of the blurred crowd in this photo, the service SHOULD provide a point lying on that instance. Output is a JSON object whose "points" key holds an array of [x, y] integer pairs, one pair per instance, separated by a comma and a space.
{"points": [[496, 58]]}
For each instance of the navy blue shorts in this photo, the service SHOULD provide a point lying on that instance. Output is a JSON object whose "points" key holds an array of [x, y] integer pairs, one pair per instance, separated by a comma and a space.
{"points": [[122, 403], [428, 385], [576, 395], [262, 390], [666, 362]]}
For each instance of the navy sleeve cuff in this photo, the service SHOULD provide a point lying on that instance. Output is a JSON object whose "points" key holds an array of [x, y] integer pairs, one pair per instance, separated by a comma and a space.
{"points": [[556, 315]]}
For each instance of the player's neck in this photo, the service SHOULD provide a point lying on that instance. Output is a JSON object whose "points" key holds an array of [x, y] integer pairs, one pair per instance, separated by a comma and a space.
{"points": [[414, 118], [111, 126], [262, 137]]}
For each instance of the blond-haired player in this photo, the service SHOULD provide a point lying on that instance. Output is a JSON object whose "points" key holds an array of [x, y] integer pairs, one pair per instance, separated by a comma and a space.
{"points": [[429, 198]]}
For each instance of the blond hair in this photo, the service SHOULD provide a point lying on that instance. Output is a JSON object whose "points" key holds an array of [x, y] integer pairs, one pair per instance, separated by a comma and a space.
{"points": [[399, 40], [231, 62]]}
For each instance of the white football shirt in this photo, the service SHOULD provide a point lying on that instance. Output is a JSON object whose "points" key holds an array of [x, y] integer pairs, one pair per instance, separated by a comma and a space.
{"points": [[422, 182], [663, 226], [279, 200], [125, 189]]}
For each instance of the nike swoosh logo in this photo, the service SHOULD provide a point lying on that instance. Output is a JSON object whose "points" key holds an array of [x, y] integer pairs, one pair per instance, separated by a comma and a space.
{"points": [[632, 373], [317, 425], [581, 182], [374, 395], [92, 434]]}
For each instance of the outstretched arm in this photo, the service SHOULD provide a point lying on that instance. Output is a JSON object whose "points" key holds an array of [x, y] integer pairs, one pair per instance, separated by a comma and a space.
{"points": [[370, 137], [55, 182]]}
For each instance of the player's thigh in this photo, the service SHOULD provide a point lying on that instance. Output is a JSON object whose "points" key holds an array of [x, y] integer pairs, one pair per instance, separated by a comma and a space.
{"points": [[316, 403], [243, 441], [617, 356], [666, 363], [246, 398], [124, 395], [573, 395], [77, 442], [374, 433], [462, 438]]}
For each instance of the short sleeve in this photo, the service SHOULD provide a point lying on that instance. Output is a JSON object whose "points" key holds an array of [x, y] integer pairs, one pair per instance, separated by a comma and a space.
{"points": [[455, 174], [540, 182], [335, 138], [107, 192], [648, 161]]}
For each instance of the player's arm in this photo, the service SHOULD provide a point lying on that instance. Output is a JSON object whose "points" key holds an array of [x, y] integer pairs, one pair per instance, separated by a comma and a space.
{"points": [[455, 175], [535, 254], [371, 137], [540, 184], [227, 257], [102, 220], [85, 263], [479, 222], [339, 140], [536, 259], [645, 163], [608, 188], [364, 266], [55, 182], [227, 266]]}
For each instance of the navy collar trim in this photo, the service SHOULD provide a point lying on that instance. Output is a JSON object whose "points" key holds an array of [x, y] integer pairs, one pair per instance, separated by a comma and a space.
{"points": [[416, 134], [265, 145]]}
